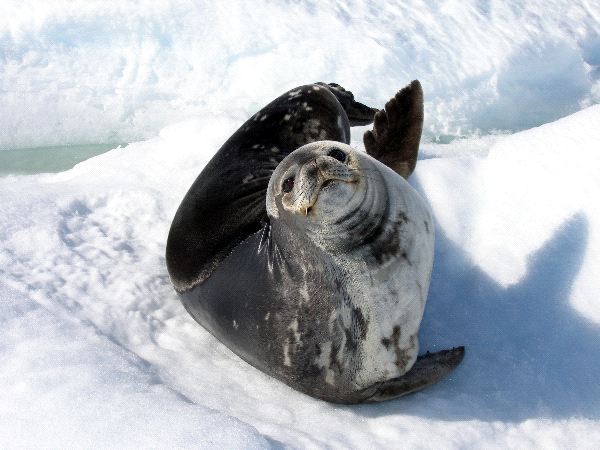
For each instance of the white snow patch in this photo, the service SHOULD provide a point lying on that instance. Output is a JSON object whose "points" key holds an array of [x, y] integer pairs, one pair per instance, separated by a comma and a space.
{"points": [[68, 385]]}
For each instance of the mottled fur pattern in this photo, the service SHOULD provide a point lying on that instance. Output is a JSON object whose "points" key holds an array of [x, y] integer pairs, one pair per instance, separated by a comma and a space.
{"points": [[313, 264]]}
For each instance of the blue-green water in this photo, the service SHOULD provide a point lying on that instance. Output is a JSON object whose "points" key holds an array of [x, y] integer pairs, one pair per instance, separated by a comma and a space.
{"points": [[48, 159]]}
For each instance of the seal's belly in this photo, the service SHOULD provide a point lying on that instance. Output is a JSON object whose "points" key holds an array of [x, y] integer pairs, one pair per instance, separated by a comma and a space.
{"points": [[394, 310], [392, 291]]}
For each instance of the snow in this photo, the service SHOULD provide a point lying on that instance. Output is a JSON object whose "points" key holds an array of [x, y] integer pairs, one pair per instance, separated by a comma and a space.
{"points": [[89, 71], [72, 386], [95, 347]]}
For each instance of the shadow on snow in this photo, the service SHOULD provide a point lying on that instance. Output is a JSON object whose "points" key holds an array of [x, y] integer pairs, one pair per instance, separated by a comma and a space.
{"points": [[528, 352]]}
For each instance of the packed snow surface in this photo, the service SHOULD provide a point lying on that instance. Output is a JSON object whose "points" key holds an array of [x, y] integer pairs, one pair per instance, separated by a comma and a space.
{"points": [[97, 348], [97, 351]]}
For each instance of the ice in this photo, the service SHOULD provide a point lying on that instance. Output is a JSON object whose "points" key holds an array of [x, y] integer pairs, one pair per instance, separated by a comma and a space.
{"points": [[97, 351]]}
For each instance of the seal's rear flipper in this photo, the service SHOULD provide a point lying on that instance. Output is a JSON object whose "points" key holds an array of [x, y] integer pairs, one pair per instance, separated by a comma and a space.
{"points": [[358, 114], [397, 129], [427, 370]]}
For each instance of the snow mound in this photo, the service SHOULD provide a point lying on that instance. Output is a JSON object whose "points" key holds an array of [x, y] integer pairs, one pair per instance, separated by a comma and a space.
{"points": [[97, 349], [89, 71]]}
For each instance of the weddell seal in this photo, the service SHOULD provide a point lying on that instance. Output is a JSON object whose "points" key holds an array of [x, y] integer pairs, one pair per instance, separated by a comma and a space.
{"points": [[311, 260]]}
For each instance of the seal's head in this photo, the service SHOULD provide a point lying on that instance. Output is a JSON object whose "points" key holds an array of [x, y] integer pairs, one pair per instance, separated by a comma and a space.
{"points": [[330, 192]]}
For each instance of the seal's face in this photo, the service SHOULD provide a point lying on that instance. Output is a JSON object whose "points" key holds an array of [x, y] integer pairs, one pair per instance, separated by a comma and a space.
{"points": [[313, 177], [323, 190]]}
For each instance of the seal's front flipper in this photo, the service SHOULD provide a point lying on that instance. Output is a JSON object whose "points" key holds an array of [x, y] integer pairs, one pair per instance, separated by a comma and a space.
{"points": [[397, 129], [427, 370], [358, 114]]}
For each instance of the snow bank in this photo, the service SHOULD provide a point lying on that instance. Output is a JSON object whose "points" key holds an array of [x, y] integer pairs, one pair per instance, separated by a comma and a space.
{"points": [[96, 345], [90, 71], [517, 198]]}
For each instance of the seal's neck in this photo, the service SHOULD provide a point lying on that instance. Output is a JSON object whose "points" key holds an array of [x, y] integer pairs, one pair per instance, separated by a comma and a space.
{"points": [[362, 221]]}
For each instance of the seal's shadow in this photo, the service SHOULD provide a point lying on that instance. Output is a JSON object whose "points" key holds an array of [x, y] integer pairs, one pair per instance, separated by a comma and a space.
{"points": [[528, 352]]}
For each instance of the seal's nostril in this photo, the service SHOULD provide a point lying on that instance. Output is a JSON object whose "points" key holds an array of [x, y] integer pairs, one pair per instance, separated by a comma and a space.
{"points": [[288, 185]]}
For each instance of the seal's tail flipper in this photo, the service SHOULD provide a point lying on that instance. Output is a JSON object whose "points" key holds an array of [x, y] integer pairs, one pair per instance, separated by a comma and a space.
{"points": [[427, 370], [358, 114], [397, 129]]}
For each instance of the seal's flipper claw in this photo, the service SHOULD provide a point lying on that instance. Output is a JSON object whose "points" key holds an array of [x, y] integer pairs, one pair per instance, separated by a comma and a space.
{"points": [[396, 132], [358, 113], [427, 370]]}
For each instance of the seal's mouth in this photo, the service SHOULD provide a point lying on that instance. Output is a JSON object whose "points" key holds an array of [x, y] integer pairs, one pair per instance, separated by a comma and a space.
{"points": [[324, 185], [328, 182], [321, 175]]}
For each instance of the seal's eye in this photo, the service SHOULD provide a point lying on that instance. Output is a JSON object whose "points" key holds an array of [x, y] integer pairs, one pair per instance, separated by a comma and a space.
{"points": [[337, 154], [288, 185]]}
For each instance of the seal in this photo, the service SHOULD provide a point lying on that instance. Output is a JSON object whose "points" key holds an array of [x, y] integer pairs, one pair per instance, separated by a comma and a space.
{"points": [[311, 260]]}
